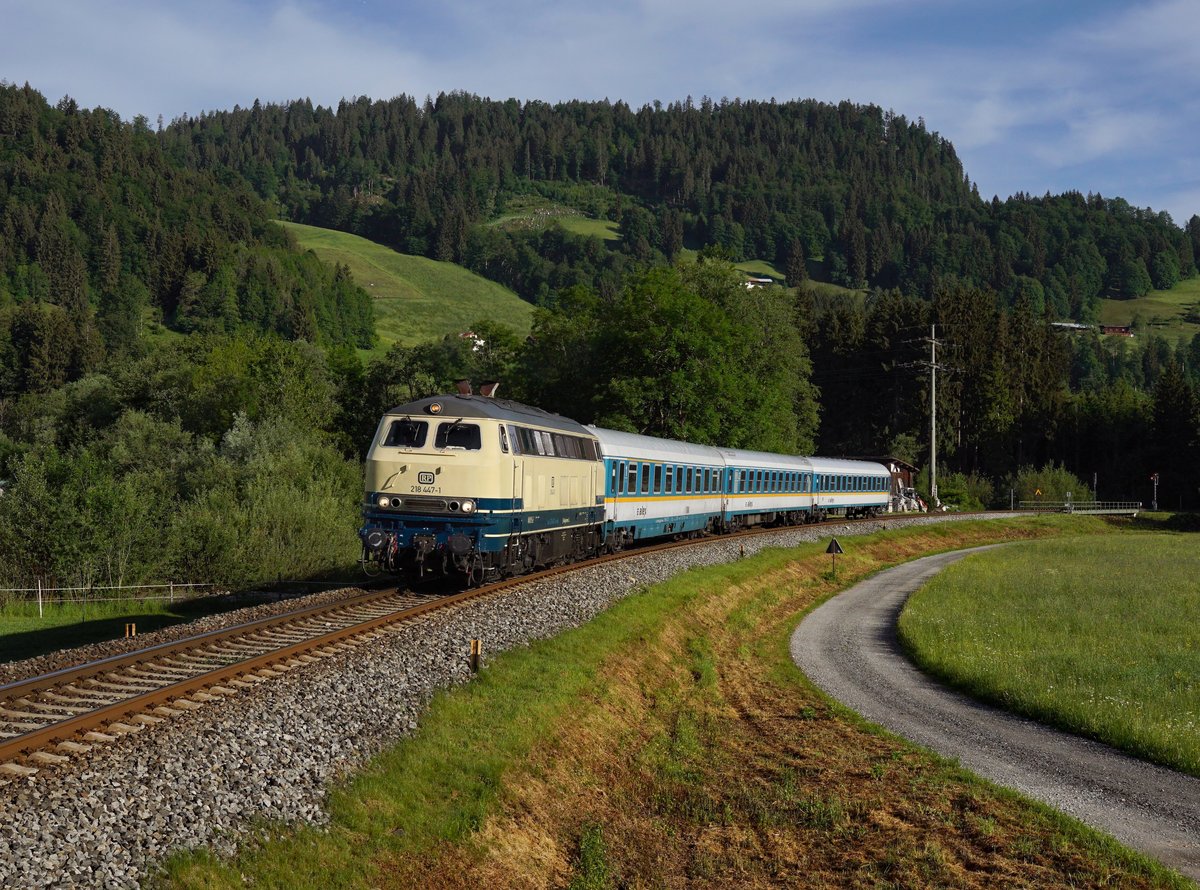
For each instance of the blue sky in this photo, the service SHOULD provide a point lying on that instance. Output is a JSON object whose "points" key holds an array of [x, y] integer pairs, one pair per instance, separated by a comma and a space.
{"points": [[1036, 95]]}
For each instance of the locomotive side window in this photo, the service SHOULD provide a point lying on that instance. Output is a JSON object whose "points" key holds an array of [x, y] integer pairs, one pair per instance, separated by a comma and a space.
{"points": [[406, 433], [503, 440], [458, 435]]}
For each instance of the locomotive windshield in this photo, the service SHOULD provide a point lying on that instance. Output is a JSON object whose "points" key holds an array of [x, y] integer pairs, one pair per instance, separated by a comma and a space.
{"points": [[458, 435], [406, 433]]}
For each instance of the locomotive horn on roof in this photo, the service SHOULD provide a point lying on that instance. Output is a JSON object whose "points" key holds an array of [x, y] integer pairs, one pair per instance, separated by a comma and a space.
{"points": [[464, 387], [488, 389]]}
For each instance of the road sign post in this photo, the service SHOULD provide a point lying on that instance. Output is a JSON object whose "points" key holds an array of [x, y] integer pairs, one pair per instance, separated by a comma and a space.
{"points": [[833, 550]]}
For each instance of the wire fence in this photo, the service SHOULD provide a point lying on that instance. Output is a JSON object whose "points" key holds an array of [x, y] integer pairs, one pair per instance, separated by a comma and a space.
{"points": [[96, 593], [170, 591]]}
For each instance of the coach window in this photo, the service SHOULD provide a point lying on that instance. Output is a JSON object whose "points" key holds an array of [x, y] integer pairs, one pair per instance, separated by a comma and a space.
{"points": [[645, 478], [632, 476], [658, 478], [616, 475]]}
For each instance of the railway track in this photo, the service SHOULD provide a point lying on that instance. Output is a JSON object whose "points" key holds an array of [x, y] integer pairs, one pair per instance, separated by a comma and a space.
{"points": [[47, 719]]}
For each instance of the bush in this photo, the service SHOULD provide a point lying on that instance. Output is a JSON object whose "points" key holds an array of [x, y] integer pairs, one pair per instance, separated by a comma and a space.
{"points": [[1050, 483]]}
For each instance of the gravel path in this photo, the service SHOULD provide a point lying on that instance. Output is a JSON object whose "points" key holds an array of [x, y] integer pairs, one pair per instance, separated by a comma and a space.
{"points": [[269, 753], [848, 647]]}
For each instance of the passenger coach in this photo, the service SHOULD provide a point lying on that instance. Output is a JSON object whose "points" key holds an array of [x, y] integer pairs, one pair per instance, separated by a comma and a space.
{"points": [[655, 487]]}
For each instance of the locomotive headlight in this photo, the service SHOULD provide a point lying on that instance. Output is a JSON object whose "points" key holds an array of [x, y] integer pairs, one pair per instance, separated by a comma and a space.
{"points": [[468, 506], [383, 500]]}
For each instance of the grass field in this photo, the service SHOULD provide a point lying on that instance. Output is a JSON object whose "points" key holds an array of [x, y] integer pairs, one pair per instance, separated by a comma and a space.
{"points": [[416, 299], [537, 212], [1095, 636], [1161, 310], [671, 742]]}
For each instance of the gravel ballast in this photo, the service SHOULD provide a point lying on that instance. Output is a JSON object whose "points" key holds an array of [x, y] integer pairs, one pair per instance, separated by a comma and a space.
{"points": [[269, 753]]}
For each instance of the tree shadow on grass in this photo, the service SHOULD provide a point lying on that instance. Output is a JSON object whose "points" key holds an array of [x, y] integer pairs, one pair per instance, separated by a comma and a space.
{"points": [[31, 643]]}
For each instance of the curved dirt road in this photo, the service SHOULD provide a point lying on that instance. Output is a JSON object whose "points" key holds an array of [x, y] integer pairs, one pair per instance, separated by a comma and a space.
{"points": [[848, 648]]}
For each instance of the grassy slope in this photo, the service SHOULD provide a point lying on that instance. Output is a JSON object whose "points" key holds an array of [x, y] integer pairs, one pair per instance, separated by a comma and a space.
{"points": [[1162, 310], [671, 742], [416, 299], [1107, 654], [536, 212]]}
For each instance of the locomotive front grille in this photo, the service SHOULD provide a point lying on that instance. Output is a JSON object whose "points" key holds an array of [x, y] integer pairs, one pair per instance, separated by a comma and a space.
{"points": [[426, 505]]}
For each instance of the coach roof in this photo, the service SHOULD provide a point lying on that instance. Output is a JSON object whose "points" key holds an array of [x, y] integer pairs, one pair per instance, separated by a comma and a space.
{"points": [[505, 410]]}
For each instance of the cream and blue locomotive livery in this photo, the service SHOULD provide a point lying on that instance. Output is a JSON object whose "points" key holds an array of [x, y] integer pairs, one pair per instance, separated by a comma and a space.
{"points": [[480, 488]]}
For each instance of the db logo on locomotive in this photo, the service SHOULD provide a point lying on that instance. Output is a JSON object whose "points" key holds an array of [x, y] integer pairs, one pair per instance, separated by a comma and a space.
{"points": [[425, 478]]}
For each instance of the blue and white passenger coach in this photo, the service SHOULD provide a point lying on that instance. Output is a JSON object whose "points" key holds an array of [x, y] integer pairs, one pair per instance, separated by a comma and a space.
{"points": [[480, 487], [656, 487]]}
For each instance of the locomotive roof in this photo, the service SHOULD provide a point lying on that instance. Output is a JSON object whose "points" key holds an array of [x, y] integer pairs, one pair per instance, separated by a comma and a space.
{"points": [[456, 406]]}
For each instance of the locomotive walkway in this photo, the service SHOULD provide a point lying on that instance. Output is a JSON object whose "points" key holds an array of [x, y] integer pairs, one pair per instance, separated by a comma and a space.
{"points": [[848, 648]]}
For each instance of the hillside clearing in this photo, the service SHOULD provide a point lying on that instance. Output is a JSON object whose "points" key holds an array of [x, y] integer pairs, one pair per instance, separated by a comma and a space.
{"points": [[416, 299]]}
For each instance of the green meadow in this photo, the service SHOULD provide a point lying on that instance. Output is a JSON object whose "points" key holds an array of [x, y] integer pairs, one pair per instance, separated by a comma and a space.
{"points": [[416, 299], [1162, 311], [1093, 635]]}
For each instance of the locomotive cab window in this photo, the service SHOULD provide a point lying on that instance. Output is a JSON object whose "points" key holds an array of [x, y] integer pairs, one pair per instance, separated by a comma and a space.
{"points": [[463, 436], [406, 433]]}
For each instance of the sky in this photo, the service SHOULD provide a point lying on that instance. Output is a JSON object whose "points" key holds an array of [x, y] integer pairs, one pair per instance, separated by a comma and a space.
{"points": [[1036, 95]]}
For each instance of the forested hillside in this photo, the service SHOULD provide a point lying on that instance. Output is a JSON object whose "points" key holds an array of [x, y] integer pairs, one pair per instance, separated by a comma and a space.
{"points": [[100, 231], [878, 199]]}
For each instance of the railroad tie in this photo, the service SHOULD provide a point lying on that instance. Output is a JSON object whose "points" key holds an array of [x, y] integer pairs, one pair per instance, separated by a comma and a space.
{"points": [[48, 759], [18, 770], [123, 728]]}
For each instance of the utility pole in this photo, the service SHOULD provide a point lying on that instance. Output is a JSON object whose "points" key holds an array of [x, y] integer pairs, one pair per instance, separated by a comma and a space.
{"points": [[933, 489], [932, 364]]}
